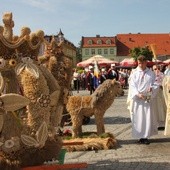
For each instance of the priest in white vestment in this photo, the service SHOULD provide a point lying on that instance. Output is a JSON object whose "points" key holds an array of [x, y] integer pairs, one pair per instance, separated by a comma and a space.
{"points": [[144, 123], [166, 92], [159, 101]]}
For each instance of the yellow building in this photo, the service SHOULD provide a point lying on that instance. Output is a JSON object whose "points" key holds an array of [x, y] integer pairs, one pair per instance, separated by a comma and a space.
{"points": [[98, 45]]}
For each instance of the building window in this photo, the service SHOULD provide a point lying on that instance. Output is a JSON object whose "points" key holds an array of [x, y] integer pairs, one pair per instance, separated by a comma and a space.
{"points": [[99, 42], [99, 51], [108, 41], [92, 51], [111, 51], [105, 51], [90, 42], [86, 51]]}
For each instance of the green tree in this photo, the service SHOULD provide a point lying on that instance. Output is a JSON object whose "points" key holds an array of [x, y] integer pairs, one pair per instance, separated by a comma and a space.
{"points": [[137, 51], [147, 53], [78, 52]]}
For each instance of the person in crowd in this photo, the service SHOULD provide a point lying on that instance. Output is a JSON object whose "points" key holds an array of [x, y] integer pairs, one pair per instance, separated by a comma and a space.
{"points": [[159, 101], [113, 73], [123, 78], [96, 77], [167, 71], [126, 77], [90, 80], [128, 73], [76, 79], [144, 123], [83, 80], [103, 75], [162, 68]]}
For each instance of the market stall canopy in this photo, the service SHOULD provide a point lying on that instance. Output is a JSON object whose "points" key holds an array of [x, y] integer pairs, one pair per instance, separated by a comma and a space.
{"points": [[153, 62], [101, 61], [166, 61], [130, 62]]}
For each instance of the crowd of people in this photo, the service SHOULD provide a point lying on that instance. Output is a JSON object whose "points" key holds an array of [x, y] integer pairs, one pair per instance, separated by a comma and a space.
{"points": [[145, 94], [88, 80]]}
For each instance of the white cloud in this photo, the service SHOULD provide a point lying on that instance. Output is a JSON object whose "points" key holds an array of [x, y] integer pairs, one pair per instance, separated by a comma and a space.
{"points": [[50, 5], [42, 4]]}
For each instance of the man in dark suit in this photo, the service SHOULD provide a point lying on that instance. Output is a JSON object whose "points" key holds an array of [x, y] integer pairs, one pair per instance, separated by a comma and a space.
{"points": [[113, 73], [90, 80]]}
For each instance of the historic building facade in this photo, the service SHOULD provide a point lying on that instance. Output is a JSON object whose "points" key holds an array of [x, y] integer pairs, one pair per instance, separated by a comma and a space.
{"points": [[104, 46], [68, 48], [118, 47]]}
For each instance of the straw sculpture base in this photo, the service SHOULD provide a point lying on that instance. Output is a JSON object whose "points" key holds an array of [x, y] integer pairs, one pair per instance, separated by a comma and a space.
{"points": [[31, 156], [90, 142]]}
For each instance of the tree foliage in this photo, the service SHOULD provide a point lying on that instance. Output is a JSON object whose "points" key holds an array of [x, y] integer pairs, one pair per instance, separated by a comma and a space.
{"points": [[78, 52], [137, 51]]}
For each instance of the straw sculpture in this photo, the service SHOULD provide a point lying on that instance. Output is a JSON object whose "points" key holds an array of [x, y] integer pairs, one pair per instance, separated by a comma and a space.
{"points": [[29, 96], [60, 66], [95, 104]]}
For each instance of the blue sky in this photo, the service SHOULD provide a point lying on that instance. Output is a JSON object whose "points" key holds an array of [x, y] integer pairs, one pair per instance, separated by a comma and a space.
{"points": [[78, 18]]}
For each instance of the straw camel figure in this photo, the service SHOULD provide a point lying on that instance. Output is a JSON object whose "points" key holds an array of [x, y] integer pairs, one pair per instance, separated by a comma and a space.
{"points": [[95, 104]]}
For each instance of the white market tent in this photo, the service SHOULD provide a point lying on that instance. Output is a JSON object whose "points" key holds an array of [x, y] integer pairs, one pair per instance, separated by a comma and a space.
{"points": [[101, 61], [166, 61], [128, 62]]}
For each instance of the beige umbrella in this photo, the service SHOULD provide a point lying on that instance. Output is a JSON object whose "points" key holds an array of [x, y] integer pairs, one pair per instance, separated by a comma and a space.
{"points": [[97, 58], [166, 61]]}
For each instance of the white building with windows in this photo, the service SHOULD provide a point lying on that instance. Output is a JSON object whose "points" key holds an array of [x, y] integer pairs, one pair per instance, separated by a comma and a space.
{"points": [[117, 48], [98, 45]]}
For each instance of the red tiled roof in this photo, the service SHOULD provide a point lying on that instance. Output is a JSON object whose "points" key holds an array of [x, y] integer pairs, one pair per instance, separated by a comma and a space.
{"points": [[125, 42], [94, 42]]}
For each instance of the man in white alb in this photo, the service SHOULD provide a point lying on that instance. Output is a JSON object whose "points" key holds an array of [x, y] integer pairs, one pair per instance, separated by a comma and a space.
{"points": [[144, 124], [159, 101]]}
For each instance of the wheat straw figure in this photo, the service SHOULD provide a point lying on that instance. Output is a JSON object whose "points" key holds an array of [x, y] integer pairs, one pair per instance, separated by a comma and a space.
{"points": [[95, 104], [27, 99], [61, 68]]}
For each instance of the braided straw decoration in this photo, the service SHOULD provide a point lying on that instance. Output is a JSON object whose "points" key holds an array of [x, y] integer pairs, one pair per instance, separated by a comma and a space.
{"points": [[56, 110], [33, 88], [19, 43]]}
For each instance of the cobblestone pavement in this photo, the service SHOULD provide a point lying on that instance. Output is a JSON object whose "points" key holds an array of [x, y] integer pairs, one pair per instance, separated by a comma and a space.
{"points": [[128, 155]]}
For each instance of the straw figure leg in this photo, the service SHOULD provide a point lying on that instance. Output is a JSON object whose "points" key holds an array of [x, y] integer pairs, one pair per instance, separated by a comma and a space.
{"points": [[99, 121], [76, 124]]}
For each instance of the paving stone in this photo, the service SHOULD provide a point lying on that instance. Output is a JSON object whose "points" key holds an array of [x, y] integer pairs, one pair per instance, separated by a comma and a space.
{"points": [[129, 155]]}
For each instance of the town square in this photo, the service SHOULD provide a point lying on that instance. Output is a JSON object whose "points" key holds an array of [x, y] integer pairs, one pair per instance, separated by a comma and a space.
{"points": [[84, 85]]}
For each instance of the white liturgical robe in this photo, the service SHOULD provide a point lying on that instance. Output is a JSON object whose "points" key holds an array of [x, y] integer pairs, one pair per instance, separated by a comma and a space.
{"points": [[159, 101], [166, 91], [144, 123]]}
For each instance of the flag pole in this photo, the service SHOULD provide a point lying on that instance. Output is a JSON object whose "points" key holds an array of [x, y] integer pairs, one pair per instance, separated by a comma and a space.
{"points": [[153, 49], [96, 72]]}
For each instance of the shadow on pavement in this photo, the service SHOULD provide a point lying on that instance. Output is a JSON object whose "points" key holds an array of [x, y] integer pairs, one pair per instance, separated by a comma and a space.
{"points": [[111, 165], [112, 120], [134, 141]]}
